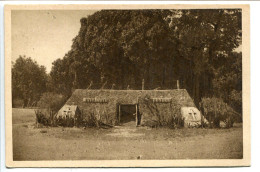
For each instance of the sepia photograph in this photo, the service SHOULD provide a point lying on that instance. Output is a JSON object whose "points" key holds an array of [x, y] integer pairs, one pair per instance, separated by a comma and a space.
{"points": [[127, 86]]}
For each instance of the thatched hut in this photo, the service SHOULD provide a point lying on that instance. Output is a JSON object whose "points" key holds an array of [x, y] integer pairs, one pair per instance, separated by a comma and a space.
{"points": [[119, 106]]}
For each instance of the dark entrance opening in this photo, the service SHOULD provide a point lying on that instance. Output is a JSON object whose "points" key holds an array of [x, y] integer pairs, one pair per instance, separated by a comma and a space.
{"points": [[128, 112]]}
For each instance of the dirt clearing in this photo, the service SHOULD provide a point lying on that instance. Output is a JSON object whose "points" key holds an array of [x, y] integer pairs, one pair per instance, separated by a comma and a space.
{"points": [[122, 142]]}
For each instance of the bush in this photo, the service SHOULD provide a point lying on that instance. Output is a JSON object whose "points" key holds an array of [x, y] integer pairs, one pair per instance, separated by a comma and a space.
{"points": [[46, 118], [49, 104], [65, 122], [94, 119], [163, 114], [51, 101], [153, 109], [91, 120], [42, 117], [216, 110], [175, 122]]}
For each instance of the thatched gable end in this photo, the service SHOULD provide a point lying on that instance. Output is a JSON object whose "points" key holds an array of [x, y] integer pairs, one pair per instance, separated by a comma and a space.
{"points": [[68, 111]]}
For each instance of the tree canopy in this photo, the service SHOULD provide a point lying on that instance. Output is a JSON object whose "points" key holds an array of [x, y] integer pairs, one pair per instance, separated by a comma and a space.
{"points": [[206, 39], [28, 80], [119, 48]]}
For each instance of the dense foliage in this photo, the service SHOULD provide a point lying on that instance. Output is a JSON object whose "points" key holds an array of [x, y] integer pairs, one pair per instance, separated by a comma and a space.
{"points": [[216, 110], [227, 83], [51, 101], [161, 114], [28, 81], [118, 48]]}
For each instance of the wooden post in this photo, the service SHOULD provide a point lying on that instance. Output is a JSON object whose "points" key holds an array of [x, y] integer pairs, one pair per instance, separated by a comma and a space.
{"points": [[178, 86], [119, 115], [143, 84], [136, 117]]}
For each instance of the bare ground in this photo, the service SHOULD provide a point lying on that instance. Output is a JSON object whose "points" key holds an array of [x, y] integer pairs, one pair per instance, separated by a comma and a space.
{"points": [[122, 142]]}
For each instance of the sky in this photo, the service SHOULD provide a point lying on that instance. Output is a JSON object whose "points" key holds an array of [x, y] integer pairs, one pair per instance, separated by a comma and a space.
{"points": [[44, 35]]}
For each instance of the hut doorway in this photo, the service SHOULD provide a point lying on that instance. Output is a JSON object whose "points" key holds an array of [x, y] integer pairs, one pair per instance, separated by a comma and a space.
{"points": [[129, 113]]}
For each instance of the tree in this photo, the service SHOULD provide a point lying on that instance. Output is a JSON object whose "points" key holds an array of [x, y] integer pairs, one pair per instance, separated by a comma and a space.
{"points": [[61, 79], [227, 82], [204, 39], [28, 80], [118, 47]]}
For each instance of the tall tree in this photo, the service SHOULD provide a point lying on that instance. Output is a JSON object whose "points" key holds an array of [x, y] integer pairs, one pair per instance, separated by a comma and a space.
{"points": [[119, 47], [227, 82], [204, 37], [28, 80]]}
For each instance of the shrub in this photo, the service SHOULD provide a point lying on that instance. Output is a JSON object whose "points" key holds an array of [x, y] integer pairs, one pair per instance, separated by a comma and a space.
{"points": [[94, 119], [161, 114], [153, 109], [216, 110], [175, 122], [49, 104], [42, 117], [65, 122], [91, 120], [51, 101]]}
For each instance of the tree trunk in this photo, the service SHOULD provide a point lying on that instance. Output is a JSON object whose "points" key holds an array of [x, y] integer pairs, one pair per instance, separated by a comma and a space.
{"points": [[147, 71], [122, 84], [25, 102], [216, 122], [75, 83], [196, 89], [151, 77], [163, 78], [197, 82], [28, 103]]}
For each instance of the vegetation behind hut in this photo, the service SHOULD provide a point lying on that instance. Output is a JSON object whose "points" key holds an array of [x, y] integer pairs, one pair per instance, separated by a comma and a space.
{"points": [[216, 110]]}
